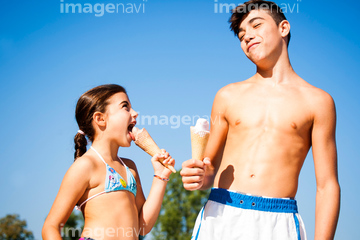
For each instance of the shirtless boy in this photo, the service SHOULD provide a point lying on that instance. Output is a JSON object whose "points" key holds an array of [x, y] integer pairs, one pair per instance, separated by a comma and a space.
{"points": [[261, 132]]}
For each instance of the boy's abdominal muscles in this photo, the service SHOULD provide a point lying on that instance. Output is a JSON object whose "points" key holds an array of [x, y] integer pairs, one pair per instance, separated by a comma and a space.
{"points": [[264, 164]]}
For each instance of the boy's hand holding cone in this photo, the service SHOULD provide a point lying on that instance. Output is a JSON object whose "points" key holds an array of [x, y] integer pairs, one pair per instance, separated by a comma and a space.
{"points": [[193, 170]]}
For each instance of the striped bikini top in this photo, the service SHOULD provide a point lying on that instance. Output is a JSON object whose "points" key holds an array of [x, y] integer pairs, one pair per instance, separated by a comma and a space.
{"points": [[114, 181]]}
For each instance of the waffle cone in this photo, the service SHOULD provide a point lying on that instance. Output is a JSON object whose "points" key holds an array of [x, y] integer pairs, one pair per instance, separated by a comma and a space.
{"points": [[146, 143], [198, 143]]}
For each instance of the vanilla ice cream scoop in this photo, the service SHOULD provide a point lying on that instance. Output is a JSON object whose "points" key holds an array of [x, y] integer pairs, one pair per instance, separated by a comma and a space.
{"points": [[199, 137], [202, 125]]}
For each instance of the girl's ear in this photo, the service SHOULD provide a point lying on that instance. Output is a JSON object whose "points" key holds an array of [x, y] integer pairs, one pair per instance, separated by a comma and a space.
{"points": [[99, 119], [284, 27]]}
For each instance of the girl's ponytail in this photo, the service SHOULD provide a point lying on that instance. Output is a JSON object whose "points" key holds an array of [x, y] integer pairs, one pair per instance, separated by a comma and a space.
{"points": [[80, 145]]}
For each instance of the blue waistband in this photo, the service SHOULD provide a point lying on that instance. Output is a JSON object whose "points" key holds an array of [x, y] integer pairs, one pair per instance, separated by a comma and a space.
{"points": [[239, 200]]}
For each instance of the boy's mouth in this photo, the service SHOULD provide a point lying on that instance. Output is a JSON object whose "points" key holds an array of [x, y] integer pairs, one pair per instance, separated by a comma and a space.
{"points": [[253, 45]]}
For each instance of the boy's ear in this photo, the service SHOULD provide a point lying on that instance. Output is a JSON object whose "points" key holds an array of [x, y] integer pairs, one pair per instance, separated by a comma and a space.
{"points": [[99, 119], [284, 27]]}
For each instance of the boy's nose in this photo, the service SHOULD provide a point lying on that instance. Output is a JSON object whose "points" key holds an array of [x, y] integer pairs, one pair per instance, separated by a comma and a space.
{"points": [[248, 37]]}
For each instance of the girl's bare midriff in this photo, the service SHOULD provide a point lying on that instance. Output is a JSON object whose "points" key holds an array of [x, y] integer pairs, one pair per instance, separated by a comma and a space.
{"points": [[112, 216]]}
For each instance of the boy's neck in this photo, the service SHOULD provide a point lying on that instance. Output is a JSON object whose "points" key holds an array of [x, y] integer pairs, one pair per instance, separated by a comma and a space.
{"points": [[279, 72]]}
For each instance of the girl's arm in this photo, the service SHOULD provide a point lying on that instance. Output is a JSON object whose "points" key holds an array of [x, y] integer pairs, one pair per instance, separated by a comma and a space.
{"points": [[149, 210], [73, 186]]}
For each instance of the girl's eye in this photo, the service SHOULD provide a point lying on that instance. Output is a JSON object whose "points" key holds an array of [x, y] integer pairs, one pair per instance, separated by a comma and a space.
{"points": [[257, 25], [126, 106]]}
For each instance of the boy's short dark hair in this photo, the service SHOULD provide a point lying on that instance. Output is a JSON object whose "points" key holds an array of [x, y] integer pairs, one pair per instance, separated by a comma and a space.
{"points": [[244, 9]]}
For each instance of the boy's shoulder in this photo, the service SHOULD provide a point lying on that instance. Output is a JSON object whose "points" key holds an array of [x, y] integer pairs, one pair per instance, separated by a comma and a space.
{"points": [[319, 101], [234, 88], [307, 90], [314, 93]]}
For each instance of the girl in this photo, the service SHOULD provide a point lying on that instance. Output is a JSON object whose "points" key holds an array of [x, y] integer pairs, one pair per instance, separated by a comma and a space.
{"points": [[105, 187]]}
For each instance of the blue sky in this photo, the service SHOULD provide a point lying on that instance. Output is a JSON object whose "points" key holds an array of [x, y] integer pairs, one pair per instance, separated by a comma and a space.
{"points": [[172, 57]]}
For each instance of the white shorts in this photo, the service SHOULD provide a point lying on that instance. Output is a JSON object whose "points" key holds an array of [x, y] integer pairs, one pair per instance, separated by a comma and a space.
{"points": [[229, 215]]}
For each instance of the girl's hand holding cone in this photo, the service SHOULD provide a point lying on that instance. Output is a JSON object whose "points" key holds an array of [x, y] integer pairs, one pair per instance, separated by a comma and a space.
{"points": [[159, 161], [143, 140]]}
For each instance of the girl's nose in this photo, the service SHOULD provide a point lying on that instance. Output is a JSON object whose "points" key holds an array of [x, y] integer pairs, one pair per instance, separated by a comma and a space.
{"points": [[134, 114]]}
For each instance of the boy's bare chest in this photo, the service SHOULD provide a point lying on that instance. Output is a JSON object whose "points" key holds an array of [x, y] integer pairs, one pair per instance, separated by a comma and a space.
{"points": [[284, 111]]}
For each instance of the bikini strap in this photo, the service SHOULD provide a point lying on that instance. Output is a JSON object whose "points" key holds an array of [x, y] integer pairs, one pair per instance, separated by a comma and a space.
{"points": [[121, 161], [98, 154], [102, 159], [79, 207]]}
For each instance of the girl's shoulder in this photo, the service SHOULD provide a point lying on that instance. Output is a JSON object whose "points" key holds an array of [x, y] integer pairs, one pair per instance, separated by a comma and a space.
{"points": [[80, 172], [86, 164], [86, 160]]}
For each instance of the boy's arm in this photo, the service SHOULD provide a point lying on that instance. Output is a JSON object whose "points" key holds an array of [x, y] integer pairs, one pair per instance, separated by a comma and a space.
{"points": [[325, 162], [197, 174]]}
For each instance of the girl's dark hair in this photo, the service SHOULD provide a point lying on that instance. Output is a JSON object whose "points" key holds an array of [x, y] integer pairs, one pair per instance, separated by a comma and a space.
{"points": [[244, 9], [94, 100]]}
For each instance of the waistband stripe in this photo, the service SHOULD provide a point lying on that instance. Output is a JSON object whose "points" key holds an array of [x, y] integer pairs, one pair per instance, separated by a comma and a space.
{"points": [[253, 202]]}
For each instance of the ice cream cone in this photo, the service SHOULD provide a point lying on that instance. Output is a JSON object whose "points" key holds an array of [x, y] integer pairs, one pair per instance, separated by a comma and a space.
{"points": [[199, 138], [198, 143], [146, 143]]}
